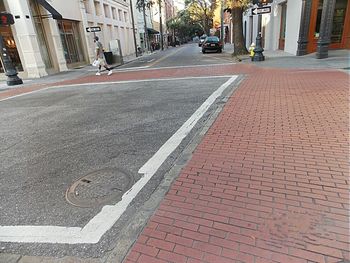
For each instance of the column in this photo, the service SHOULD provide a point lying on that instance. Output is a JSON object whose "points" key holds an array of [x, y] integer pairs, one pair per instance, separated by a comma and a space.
{"points": [[304, 27], [87, 39], [325, 29], [26, 38], [57, 43]]}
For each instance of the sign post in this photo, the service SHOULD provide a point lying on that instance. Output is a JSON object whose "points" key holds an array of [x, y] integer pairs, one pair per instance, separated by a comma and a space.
{"points": [[261, 9], [6, 19]]}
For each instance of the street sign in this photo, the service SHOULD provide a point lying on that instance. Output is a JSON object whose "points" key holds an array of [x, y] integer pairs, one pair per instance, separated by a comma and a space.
{"points": [[261, 10], [93, 29]]}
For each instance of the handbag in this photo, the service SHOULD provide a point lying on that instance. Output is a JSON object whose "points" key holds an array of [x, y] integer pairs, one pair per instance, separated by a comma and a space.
{"points": [[96, 63]]}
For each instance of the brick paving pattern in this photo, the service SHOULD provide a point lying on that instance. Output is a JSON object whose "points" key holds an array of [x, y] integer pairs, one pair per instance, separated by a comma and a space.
{"points": [[268, 183], [270, 180]]}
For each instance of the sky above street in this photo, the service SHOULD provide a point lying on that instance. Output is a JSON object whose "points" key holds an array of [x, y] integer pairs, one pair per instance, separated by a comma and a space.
{"points": [[179, 4]]}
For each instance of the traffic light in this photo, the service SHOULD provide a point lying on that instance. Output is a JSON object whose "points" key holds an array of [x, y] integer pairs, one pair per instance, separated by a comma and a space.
{"points": [[6, 19]]}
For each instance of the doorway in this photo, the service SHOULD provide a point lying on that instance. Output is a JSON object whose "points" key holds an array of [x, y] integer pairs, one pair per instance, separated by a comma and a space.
{"points": [[71, 42], [340, 35], [282, 38]]}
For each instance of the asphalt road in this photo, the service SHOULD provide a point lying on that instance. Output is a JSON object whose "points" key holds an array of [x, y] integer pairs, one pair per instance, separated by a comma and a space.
{"points": [[69, 152], [184, 55]]}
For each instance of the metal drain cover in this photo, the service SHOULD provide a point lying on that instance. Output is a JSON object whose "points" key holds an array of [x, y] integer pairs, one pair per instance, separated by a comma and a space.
{"points": [[99, 188]]}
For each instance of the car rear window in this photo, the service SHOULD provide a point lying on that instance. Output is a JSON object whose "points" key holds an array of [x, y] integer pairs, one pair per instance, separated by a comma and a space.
{"points": [[212, 39]]}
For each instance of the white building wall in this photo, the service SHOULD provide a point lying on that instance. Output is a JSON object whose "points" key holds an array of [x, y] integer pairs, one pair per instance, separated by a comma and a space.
{"points": [[111, 16], [292, 26], [68, 11], [272, 22]]}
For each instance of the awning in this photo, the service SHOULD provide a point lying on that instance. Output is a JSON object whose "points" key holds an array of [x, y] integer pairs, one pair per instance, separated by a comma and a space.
{"points": [[52, 11], [152, 31]]}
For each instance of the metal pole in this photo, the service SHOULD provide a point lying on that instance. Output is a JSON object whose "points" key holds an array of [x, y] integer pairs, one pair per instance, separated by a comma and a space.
{"points": [[10, 70], [160, 24], [222, 24], [258, 50], [145, 22], [133, 27]]}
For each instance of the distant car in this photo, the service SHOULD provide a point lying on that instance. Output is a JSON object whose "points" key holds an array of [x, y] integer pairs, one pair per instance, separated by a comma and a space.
{"points": [[201, 40], [212, 44]]}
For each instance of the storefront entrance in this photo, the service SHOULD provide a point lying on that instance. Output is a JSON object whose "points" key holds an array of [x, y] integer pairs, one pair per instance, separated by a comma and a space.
{"points": [[70, 37], [340, 37], [281, 41]]}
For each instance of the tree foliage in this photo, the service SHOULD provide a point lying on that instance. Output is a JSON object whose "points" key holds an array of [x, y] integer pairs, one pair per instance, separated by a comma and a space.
{"points": [[202, 12], [183, 26]]}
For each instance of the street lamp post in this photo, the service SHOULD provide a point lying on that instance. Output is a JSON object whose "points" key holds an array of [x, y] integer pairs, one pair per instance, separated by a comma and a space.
{"points": [[258, 50], [6, 19], [222, 40], [133, 27], [160, 24], [10, 70], [145, 22]]}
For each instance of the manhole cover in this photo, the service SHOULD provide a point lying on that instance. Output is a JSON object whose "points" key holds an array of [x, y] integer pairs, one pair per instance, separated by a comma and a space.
{"points": [[99, 188]]}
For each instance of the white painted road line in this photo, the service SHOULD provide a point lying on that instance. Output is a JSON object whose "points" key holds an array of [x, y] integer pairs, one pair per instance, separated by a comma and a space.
{"points": [[109, 214], [112, 82], [122, 69]]}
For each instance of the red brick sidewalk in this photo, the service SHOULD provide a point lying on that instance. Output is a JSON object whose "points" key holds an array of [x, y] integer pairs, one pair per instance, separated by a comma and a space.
{"points": [[269, 181]]}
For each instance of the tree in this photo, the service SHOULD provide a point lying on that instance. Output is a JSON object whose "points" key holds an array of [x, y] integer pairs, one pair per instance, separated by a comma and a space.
{"points": [[183, 26], [237, 8], [202, 12], [173, 24]]}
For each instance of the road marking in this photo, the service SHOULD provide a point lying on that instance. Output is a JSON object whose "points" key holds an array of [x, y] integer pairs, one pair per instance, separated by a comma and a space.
{"points": [[189, 66], [145, 68], [122, 69], [109, 214], [151, 60], [112, 82], [166, 56]]}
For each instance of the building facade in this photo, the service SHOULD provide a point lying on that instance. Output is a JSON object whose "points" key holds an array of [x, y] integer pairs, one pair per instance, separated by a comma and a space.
{"points": [[51, 36], [300, 27], [167, 11], [140, 18]]}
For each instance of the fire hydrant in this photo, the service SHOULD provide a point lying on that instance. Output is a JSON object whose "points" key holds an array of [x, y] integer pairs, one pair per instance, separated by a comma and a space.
{"points": [[251, 50]]}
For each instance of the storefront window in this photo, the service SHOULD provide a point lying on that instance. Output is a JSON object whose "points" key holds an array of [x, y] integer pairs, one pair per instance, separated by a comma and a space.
{"points": [[10, 44], [338, 21], [71, 41]]}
